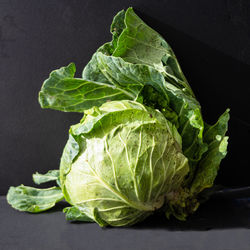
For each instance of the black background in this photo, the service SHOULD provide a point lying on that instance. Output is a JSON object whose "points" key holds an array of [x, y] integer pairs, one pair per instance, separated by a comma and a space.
{"points": [[210, 38]]}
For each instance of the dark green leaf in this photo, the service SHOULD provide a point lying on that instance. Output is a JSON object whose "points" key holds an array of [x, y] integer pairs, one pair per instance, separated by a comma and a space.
{"points": [[190, 123], [217, 150], [117, 27], [140, 44], [61, 91], [129, 77]]}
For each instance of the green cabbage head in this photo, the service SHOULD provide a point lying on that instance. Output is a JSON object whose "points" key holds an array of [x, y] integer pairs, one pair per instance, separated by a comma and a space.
{"points": [[120, 162]]}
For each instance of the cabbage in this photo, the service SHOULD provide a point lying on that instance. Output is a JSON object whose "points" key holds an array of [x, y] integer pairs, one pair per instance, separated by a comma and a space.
{"points": [[127, 159], [142, 144]]}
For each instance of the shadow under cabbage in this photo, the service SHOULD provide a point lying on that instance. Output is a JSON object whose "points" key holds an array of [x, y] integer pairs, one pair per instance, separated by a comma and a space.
{"points": [[214, 214]]}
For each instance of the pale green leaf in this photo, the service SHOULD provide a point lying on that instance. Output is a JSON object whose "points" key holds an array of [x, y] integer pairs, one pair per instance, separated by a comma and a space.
{"points": [[51, 175], [33, 200], [76, 214]]}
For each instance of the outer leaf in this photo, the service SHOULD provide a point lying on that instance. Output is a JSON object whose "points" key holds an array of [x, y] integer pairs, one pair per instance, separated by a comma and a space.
{"points": [[63, 92], [140, 44], [130, 77], [190, 123], [76, 214], [98, 219], [33, 200], [51, 175], [117, 28], [185, 201], [70, 152], [217, 150]]}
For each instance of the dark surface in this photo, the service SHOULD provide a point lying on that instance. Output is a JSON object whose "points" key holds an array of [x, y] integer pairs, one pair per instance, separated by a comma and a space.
{"points": [[217, 225], [211, 41]]}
